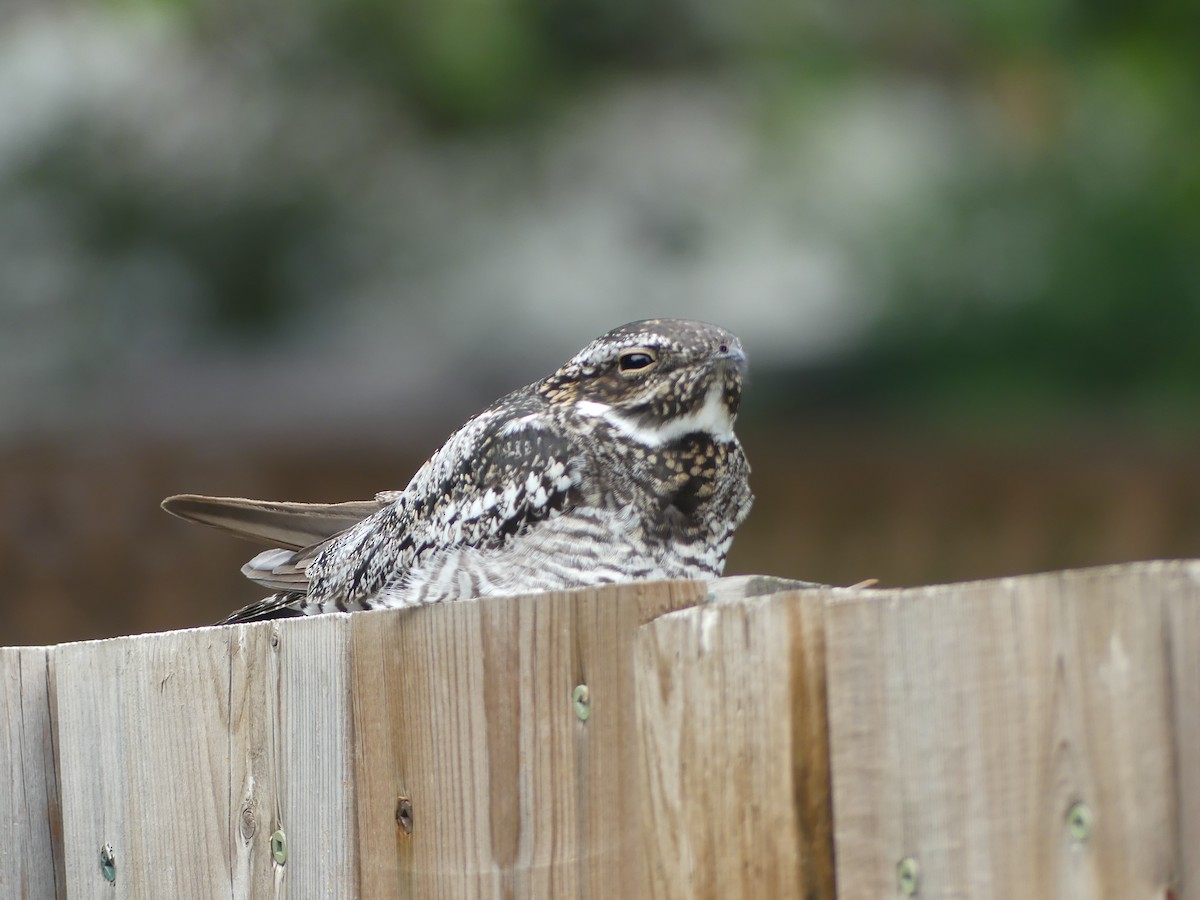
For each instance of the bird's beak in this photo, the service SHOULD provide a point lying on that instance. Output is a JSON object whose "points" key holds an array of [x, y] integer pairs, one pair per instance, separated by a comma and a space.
{"points": [[735, 354]]}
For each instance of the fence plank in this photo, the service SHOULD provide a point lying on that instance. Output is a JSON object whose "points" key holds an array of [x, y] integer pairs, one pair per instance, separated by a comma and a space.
{"points": [[187, 751], [1034, 737], [144, 756], [31, 849], [731, 702], [1015, 737], [291, 753], [475, 776], [1182, 637]]}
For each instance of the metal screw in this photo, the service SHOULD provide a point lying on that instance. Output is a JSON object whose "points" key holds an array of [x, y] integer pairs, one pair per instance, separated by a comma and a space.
{"points": [[279, 847], [108, 864], [582, 702], [1079, 821], [404, 816], [908, 876]]}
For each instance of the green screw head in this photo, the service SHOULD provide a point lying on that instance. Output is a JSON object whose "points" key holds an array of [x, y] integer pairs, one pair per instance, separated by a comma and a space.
{"points": [[279, 847], [908, 876], [108, 864], [582, 702], [1079, 821]]}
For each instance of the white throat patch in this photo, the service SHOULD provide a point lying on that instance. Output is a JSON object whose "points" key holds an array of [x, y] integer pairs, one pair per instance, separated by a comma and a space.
{"points": [[711, 418]]}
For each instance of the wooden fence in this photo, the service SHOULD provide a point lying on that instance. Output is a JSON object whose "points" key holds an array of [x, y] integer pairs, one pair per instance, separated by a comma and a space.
{"points": [[1034, 737]]}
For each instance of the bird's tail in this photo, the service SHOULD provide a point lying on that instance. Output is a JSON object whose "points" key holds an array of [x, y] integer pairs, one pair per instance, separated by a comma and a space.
{"points": [[278, 606]]}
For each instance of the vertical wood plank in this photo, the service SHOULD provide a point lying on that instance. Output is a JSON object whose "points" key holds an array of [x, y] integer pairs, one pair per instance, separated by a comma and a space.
{"points": [[463, 713], [255, 759], [144, 760], [1182, 639], [187, 751], [968, 721], [290, 751], [965, 723], [735, 762], [31, 860]]}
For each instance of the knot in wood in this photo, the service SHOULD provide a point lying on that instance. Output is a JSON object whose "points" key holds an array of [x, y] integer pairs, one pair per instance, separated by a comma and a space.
{"points": [[249, 822], [404, 814]]}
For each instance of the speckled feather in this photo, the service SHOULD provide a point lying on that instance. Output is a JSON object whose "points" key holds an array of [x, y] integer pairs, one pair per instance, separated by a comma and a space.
{"points": [[611, 469]]}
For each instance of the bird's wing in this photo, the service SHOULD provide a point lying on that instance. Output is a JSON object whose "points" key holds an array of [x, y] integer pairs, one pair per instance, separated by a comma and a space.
{"points": [[290, 525], [505, 470], [497, 475], [489, 481]]}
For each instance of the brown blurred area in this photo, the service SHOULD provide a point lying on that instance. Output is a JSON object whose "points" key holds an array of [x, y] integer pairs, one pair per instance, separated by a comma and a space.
{"points": [[85, 551]]}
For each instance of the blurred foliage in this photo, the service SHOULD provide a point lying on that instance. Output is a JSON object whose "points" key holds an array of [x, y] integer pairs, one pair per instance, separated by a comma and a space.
{"points": [[1068, 275], [1052, 261], [458, 63], [472, 63], [239, 252]]}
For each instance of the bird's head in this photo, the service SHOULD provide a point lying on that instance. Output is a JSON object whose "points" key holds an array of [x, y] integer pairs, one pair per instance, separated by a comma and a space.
{"points": [[656, 380]]}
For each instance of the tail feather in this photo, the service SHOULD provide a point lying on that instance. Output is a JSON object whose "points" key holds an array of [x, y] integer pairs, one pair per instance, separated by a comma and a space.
{"points": [[278, 606], [294, 526], [281, 570]]}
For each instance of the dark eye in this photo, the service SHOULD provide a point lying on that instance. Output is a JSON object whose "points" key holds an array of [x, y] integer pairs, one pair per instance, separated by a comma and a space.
{"points": [[636, 359]]}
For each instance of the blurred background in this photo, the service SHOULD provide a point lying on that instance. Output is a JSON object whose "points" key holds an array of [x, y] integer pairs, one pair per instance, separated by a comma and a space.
{"points": [[283, 249]]}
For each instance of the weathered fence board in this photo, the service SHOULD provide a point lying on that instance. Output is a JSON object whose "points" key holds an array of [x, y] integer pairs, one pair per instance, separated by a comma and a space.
{"points": [[1181, 595], [31, 849], [467, 716], [291, 750], [185, 752], [1028, 737], [144, 758], [735, 765]]}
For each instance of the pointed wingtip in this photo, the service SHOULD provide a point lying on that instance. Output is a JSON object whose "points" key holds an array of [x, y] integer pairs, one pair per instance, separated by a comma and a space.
{"points": [[291, 525], [177, 502], [198, 507]]}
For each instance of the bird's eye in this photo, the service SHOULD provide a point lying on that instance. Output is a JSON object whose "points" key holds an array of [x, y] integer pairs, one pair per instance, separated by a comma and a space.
{"points": [[636, 359]]}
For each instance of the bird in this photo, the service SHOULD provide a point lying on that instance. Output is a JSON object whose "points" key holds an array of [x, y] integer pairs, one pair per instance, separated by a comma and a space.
{"points": [[620, 466]]}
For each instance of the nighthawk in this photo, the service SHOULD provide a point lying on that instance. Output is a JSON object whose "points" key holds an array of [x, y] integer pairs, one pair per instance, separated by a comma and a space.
{"points": [[620, 466]]}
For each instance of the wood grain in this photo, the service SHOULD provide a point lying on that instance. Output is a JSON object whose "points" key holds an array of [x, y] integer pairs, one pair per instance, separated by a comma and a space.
{"points": [[735, 764], [1181, 586], [31, 860], [967, 721], [438, 752], [187, 751], [290, 751], [465, 712], [144, 757]]}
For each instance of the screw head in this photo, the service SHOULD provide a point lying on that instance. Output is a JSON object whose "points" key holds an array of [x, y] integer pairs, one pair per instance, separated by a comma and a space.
{"points": [[279, 847], [581, 700], [908, 876], [1079, 821], [108, 864]]}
